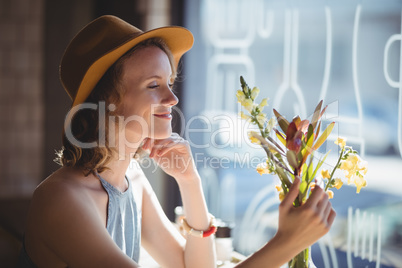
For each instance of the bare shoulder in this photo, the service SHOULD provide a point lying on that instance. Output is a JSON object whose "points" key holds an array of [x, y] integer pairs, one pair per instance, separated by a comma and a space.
{"points": [[64, 224], [62, 195], [65, 188]]}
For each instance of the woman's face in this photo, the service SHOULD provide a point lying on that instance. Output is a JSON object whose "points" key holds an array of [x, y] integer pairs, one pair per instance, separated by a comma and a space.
{"points": [[148, 98]]}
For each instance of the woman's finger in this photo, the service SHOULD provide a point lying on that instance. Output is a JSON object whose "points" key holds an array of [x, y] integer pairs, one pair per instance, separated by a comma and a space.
{"points": [[322, 204], [327, 210], [177, 142], [315, 197], [166, 148], [292, 194], [158, 145], [331, 217], [147, 144]]}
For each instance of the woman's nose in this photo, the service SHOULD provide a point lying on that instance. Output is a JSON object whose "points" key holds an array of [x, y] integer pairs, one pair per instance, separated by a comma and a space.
{"points": [[170, 99]]}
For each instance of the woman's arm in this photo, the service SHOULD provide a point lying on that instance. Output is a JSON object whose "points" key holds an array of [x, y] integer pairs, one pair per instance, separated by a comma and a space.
{"points": [[174, 157], [199, 251], [298, 228]]}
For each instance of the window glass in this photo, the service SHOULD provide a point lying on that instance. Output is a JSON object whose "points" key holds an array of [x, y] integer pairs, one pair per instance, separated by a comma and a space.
{"points": [[299, 52]]}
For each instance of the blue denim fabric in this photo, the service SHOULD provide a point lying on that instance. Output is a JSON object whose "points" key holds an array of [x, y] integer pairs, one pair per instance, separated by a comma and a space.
{"points": [[123, 219]]}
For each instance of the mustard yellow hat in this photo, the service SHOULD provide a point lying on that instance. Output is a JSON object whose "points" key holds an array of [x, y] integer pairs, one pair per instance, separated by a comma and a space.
{"points": [[101, 43]]}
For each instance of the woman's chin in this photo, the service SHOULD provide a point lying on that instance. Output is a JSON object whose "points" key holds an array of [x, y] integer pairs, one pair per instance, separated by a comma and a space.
{"points": [[160, 135]]}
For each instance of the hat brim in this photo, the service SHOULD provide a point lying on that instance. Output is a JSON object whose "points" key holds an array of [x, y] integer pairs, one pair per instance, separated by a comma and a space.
{"points": [[178, 39]]}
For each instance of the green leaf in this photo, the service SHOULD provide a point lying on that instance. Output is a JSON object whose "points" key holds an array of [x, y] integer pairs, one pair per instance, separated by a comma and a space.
{"points": [[277, 159], [304, 173], [310, 132], [275, 143], [283, 123], [303, 187], [292, 159], [282, 176], [319, 164], [310, 140], [300, 158], [310, 170], [272, 145], [323, 136], [280, 136]]}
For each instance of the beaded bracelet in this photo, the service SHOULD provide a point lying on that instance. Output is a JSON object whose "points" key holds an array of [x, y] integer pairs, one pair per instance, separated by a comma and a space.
{"points": [[197, 233]]}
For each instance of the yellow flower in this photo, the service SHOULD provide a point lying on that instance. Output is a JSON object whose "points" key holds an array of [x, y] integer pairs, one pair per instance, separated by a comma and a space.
{"points": [[355, 169], [252, 138], [244, 116], [248, 105], [338, 183], [271, 124], [281, 196], [262, 168], [341, 142], [280, 191], [261, 118], [359, 182], [263, 103], [254, 92], [350, 165], [278, 188], [240, 96], [325, 174], [330, 194], [345, 165], [362, 167]]}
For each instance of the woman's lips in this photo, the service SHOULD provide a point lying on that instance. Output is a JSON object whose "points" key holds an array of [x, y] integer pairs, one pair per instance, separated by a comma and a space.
{"points": [[164, 115]]}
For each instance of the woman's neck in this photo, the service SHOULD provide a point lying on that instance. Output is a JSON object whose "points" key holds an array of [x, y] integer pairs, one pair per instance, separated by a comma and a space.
{"points": [[117, 167], [115, 173]]}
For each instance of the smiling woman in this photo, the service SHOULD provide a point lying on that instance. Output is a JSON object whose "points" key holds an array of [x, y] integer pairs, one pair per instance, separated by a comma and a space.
{"points": [[115, 65], [145, 84], [97, 209]]}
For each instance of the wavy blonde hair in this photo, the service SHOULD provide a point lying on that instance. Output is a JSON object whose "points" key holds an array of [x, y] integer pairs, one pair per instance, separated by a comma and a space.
{"points": [[85, 123]]}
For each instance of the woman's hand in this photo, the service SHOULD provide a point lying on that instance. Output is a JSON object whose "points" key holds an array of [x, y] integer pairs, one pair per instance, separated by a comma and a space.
{"points": [[305, 224], [173, 156], [299, 228]]}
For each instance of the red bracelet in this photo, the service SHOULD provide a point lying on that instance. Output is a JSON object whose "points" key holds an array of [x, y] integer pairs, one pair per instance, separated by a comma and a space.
{"points": [[197, 233]]}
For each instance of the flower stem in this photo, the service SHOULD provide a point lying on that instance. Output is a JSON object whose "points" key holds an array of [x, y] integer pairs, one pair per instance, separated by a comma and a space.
{"points": [[333, 171]]}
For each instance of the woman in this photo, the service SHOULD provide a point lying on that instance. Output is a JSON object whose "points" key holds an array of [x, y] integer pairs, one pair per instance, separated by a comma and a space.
{"points": [[97, 208]]}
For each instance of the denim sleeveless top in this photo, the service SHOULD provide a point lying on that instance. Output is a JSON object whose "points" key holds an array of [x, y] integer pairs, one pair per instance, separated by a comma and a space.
{"points": [[123, 224], [124, 219]]}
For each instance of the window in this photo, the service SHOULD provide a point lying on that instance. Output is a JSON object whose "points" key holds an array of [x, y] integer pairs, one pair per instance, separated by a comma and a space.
{"points": [[297, 52]]}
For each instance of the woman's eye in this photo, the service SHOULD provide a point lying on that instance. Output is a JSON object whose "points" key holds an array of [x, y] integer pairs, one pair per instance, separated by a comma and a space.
{"points": [[171, 85], [153, 86]]}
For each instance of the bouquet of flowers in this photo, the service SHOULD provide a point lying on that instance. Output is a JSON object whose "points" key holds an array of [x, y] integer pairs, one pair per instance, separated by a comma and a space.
{"points": [[290, 148]]}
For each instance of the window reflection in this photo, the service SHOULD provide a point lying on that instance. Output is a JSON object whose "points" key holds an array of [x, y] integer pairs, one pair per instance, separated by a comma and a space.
{"points": [[345, 52]]}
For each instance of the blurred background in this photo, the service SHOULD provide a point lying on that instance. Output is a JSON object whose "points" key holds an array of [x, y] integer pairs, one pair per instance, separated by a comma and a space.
{"points": [[297, 52]]}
